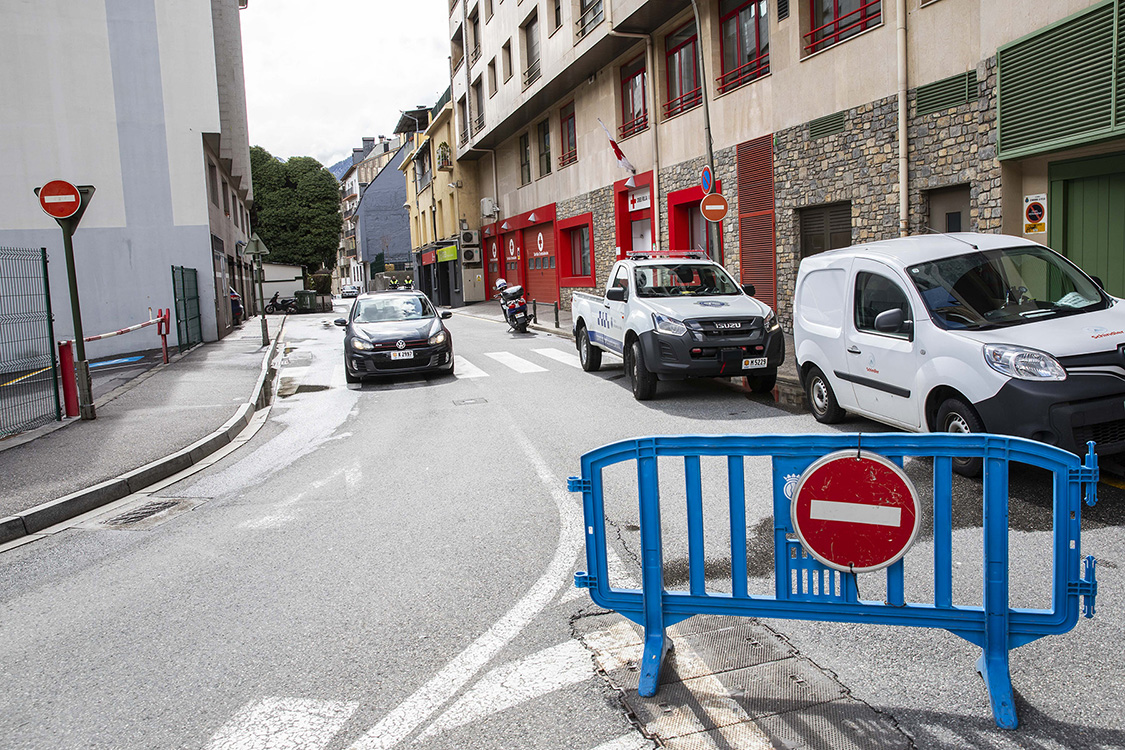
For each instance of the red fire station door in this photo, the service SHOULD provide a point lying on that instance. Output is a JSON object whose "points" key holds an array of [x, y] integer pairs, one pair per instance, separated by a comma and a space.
{"points": [[493, 262], [510, 253], [539, 254]]}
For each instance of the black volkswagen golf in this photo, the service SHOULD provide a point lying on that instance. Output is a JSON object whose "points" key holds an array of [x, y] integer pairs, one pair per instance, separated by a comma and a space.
{"points": [[392, 333]]}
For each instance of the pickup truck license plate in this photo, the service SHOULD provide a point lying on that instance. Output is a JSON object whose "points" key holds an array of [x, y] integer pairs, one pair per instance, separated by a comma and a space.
{"points": [[404, 354], [753, 363]]}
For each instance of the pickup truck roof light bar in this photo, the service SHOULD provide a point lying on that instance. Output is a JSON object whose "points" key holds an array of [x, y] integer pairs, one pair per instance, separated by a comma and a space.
{"points": [[648, 254]]}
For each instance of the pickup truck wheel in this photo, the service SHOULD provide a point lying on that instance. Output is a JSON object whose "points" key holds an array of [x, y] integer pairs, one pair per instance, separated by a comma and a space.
{"points": [[954, 415], [763, 382], [644, 381], [589, 355], [825, 408]]}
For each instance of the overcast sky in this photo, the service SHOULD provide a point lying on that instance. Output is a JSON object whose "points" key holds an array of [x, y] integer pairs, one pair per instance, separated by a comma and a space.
{"points": [[321, 74]]}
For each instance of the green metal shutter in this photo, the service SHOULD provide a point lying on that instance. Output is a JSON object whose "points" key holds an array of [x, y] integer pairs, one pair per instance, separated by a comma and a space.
{"points": [[946, 93]]}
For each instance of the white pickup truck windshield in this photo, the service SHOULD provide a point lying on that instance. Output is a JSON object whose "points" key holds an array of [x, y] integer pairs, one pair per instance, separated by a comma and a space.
{"points": [[680, 279]]}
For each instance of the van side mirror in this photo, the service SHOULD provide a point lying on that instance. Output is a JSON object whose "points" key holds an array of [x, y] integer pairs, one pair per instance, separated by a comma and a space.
{"points": [[893, 321], [749, 289], [615, 294]]}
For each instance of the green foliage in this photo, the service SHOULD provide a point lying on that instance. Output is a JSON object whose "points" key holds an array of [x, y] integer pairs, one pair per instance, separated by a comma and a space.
{"points": [[320, 282], [296, 209]]}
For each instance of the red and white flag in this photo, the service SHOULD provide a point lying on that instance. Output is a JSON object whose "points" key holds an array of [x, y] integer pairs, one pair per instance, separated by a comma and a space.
{"points": [[621, 160]]}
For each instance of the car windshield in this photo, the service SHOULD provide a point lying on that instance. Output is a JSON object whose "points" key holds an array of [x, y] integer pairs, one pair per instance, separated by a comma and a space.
{"points": [[998, 288], [385, 309], [679, 279]]}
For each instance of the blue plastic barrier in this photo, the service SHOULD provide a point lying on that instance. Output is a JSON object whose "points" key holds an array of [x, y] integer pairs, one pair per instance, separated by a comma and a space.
{"points": [[807, 590]]}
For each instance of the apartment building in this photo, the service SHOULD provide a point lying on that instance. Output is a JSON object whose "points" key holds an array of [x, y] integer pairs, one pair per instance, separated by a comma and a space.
{"points": [[146, 102], [832, 122], [352, 263]]}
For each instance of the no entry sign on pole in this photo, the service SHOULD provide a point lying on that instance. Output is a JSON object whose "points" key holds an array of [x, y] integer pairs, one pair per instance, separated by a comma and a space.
{"points": [[855, 511], [59, 199], [714, 207]]}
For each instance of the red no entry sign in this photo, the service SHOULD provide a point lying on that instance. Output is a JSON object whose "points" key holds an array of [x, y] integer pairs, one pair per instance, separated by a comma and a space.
{"points": [[714, 207], [60, 199], [855, 511]]}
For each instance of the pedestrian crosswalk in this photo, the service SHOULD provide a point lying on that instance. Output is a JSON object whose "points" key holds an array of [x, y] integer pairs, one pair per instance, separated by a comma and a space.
{"points": [[498, 362]]}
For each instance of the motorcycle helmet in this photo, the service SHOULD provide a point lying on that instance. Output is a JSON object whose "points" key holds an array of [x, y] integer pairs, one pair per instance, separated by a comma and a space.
{"points": [[501, 284]]}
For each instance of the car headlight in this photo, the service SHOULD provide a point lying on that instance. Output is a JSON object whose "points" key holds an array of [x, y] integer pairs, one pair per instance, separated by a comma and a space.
{"points": [[438, 338], [1024, 364], [362, 346], [671, 326], [771, 322]]}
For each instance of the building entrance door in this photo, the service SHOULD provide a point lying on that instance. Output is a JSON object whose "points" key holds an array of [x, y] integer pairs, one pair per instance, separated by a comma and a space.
{"points": [[542, 278], [1085, 221]]}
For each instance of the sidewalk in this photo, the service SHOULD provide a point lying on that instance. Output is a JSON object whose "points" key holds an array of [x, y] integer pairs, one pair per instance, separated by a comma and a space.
{"points": [[788, 390], [157, 424]]}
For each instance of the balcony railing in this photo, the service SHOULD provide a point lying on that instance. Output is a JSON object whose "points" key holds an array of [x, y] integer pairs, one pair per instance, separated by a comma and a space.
{"points": [[752, 70], [565, 160], [444, 163], [864, 17], [478, 123], [589, 19], [474, 55], [684, 103], [464, 139], [634, 126], [531, 75]]}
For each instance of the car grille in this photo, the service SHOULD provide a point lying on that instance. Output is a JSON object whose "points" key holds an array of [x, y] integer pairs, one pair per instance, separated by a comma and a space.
{"points": [[387, 345], [711, 330], [1105, 434]]}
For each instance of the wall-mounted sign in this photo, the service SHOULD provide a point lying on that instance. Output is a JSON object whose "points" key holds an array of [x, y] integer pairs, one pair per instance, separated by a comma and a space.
{"points": [[1035, 214], [640, 199], [447, 253]]}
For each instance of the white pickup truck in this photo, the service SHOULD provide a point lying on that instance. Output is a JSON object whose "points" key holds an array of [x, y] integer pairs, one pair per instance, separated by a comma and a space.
{"points": [[672, 318]]}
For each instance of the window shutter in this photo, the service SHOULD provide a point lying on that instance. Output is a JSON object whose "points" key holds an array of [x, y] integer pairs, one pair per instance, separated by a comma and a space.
{"points": [[827, 125], [782, 9], [944, 94], [756, 245]]}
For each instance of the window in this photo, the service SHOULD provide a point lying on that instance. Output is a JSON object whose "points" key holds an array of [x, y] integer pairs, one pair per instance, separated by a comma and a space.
{"points": [[825, 228], [531, 46], [836, 20], [492, 77], [474, 39], [525, 159], [213, 183], [580, 250], [543, 138], [876, 294], [745, 42], [487, 10], [478, 107], [684, 91], [506, 60], [568, 136], [556, 16], [590, 15], [226, 198], [621, 280], [634, 107], [463, 119]]}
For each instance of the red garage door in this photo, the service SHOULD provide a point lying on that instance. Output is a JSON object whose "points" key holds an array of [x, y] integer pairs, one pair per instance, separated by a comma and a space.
{"points": [[494, 261], [539, 255]]}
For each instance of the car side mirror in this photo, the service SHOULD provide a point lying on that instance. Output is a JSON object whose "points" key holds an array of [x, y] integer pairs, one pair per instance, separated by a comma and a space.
{"points": [[446, 315], [1098, 281], [615, 294], [340, 322], [749, 289], [893, 321]]}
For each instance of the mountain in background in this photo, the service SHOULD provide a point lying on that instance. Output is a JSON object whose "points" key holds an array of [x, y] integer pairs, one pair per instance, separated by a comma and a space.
{"points": [[340, 167]]}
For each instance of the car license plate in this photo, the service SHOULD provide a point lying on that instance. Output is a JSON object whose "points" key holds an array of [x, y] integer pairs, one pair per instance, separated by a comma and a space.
{"points": [[405, 354], [753, 363]]}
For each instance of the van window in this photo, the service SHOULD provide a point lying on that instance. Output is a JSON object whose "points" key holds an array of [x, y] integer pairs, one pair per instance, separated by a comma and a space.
{"points": [[875, 294]]}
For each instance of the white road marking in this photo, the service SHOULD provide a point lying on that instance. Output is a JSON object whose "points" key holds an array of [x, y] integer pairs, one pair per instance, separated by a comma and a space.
{"points": [[516, 363], [463, 368], [353, 475], [874, 515], [518, 682], [425, 701], [283, 724], [627, 742], [560, 356], [266, 522]]}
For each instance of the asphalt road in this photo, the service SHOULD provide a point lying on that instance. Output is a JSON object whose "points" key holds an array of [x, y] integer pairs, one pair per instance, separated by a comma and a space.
{"points": [[390, 564]]}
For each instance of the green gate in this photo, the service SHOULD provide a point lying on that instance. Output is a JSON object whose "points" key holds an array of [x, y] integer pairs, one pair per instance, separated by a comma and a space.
{"points": [[1086, 219], [29, 383], [189, 324]]}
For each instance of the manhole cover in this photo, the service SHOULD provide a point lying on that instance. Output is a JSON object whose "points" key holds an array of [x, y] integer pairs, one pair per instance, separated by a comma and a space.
{"points": [[470, 401], [142, 512]]}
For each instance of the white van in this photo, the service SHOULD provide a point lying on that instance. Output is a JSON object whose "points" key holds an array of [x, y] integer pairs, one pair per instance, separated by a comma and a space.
{"points": [[963, 333]]}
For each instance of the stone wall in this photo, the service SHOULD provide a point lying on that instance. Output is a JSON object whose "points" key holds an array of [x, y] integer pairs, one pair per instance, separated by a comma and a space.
{"points": [[687, 174], [600, 203]]}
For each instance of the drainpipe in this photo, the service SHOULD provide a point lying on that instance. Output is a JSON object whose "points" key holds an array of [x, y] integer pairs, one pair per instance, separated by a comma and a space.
{"points": [[650, 61], [712, 226], [903, 145]]}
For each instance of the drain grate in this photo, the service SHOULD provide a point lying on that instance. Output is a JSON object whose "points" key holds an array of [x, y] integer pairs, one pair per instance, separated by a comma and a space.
{"points": [[142, 512]]}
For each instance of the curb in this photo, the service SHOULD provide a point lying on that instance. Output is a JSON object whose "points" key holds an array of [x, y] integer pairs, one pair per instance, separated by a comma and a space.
{"points": [[62, 509]]}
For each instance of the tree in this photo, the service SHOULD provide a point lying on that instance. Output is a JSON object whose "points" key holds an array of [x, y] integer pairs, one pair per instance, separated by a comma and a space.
{"points": [[296, 209]]}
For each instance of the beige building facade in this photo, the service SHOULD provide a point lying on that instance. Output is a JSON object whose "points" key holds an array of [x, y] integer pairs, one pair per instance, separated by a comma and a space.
{"points": [[812, 104]]}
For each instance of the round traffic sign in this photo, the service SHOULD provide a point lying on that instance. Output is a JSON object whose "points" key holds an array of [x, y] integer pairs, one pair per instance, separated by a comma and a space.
{"points": [[714, 207], [59, 199], [855, 511], [1035, 212], [706, 179]]}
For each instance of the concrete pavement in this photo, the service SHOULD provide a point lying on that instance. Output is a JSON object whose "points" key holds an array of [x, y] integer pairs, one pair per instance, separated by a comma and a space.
{"points": [[157, 424]]}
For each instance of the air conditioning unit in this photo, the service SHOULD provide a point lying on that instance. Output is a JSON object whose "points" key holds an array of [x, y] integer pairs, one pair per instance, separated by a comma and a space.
{"points": [[470, 237], [470, 255], [488, 207]]}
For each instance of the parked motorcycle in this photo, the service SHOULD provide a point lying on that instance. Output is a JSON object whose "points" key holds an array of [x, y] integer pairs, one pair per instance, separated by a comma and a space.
{"points": [[513, 304], [278, 304]]}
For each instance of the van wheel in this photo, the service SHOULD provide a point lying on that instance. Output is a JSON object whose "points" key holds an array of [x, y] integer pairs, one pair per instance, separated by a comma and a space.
{"points": [[589, 355], [763, 382], [644, 381], [825, 408], [954, 415]]}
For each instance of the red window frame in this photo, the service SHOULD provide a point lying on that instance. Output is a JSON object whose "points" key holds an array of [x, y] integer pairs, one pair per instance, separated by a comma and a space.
{"points": [[842, 26], [754, 68], [567, 275], [687, 99], [568, 136], [632, 122], [680, 202]]}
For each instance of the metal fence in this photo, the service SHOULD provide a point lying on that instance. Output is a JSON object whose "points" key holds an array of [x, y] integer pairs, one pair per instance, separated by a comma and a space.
{"points": [[185, 289], [29, 384]]}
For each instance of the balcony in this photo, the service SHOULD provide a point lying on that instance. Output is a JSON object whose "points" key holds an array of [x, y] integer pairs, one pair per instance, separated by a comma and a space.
{"points": [[744, 74], [862, 18], [531, 75], [589, 19], [478, 123], [565, 160], [474, 55], [637, 125], [463, 140], [444, 158], [683, 103]]}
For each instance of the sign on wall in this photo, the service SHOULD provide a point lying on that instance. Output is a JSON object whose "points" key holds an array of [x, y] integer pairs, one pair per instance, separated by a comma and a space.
{"points": [[1035, 214], [640, 199]]}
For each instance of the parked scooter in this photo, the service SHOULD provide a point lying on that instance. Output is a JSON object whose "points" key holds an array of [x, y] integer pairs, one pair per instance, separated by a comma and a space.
{"points": [[513, 304], [279, 304]]}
